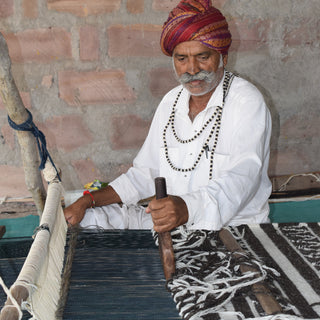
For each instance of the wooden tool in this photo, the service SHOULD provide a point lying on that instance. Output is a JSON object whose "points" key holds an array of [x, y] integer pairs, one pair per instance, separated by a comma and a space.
{"points": [[165, 241], [2, 231], [269, 304]]}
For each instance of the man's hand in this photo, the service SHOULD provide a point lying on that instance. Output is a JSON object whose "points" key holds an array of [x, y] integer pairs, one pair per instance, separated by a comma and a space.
{"points": [[76, 211], [168, 213]]}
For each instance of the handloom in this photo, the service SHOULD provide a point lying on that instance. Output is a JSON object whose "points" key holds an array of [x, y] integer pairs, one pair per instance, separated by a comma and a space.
{"points": [[37, 287], [118, 274]]}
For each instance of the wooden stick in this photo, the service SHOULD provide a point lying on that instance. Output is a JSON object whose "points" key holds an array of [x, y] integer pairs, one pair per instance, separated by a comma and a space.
{"points": [[66, 276], [269, 304], [2, 231], [17, 112], [165, 241]]}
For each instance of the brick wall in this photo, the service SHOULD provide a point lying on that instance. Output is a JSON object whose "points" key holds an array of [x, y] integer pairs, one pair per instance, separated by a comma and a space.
{"points": [[92, 74]]}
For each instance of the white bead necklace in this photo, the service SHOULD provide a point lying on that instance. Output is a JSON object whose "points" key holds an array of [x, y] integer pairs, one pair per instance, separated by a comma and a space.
{"points": [[217, 115]]}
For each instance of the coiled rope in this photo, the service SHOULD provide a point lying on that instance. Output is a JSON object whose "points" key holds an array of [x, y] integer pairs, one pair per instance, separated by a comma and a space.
{"points": [[29, 125]]}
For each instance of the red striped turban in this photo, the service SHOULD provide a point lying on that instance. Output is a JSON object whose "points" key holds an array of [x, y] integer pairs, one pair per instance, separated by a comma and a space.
{"points": [[195, 20]]}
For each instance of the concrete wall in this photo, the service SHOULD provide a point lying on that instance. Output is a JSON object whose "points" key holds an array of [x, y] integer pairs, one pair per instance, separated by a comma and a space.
{"points": [[92, 74]]}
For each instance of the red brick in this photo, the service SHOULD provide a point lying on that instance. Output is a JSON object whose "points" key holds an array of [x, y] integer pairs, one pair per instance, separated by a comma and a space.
{"points": [[47, 81], [135, 6], [248, 35], [14, 179], [134, 40], [89, 43], [168, 5], [40, 45], [123, 168], [164, 5], [67, 132], [6, 8], [219, 4], [161, 80], [86, 170], [94, 87], [8, 135], [26, 99], [83, 8], [128, 131], [30, 8]]}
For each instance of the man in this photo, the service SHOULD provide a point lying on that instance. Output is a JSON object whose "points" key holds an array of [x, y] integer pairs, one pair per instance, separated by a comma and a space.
{"points": [[209, 138]]}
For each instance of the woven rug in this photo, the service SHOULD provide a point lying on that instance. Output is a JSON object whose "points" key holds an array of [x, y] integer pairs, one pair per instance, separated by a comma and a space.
{"points": [[118, 274], [208, 283]]}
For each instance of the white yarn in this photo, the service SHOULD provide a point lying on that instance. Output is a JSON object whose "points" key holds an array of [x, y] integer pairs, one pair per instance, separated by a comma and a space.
{"points": [[13, 300], [283, 187], [49, 172], [192, 291], [41, 272]]}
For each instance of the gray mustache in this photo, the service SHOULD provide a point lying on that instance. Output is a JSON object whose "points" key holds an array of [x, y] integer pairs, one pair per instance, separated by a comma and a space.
{"points": [[201, 75]]}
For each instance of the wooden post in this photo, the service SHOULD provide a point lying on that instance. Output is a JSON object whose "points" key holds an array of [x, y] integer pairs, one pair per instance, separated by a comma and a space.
{"points": [[18, 114], [268, 303], [2, 231]]}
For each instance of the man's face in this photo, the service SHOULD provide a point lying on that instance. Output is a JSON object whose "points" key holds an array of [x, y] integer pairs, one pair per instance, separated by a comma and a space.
{"points": [[198, 68]]}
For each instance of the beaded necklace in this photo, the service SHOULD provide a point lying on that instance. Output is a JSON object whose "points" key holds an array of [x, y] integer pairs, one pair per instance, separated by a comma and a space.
{"points": [[217, 115]]}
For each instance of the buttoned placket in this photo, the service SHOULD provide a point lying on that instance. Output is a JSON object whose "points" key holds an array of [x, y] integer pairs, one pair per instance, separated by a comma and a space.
{"points": [[194, 147]]}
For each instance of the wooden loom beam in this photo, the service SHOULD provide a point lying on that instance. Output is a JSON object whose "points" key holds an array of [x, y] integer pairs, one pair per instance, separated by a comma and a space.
{"points": [[52, 228], [18, 114]]}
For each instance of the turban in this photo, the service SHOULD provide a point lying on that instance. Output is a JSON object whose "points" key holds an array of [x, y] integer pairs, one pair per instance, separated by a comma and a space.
{"points": [[195, 20]]}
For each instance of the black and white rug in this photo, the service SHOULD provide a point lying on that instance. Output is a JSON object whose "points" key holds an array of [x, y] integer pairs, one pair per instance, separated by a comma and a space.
{"points": [[208, 283]]}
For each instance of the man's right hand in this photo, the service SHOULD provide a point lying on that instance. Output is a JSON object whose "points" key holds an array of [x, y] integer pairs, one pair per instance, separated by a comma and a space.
{"points": [[76, 211]]}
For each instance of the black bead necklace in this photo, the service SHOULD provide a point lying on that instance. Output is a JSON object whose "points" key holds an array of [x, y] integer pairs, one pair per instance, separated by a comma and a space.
{"points": [[217, 115]]}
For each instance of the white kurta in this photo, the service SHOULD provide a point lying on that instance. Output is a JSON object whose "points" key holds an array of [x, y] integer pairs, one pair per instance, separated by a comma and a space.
{"points": [[239, 190]]}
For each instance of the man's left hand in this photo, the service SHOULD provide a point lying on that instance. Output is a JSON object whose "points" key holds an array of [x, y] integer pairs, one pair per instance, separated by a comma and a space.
{"points": [[168, 213]]}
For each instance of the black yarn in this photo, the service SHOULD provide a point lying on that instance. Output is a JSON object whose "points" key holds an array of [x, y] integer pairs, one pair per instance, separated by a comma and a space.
{"points": [[29, 125]]}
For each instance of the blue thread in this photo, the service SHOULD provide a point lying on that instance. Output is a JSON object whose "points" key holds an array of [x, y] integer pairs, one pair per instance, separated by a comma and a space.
{"points": [[29, 125]]}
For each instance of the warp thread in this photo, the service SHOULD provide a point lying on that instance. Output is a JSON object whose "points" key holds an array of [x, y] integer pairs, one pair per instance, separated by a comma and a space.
{"points": [[66, 275]]}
